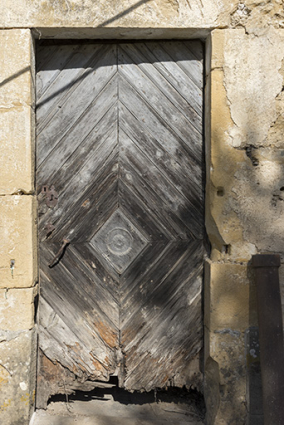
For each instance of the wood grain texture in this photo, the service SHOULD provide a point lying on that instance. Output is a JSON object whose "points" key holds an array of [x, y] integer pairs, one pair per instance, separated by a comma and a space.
{"points": [[119, 136]]}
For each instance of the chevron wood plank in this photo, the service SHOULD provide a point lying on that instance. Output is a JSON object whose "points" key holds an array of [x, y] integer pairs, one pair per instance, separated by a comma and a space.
{"points": [[138, 273], [51, 91], [90, 337], [82, 137], [159, 127], [196, 47], [111, 277], [81, 224], [191, 66], [44, 55], [62, 119], [73, 358], [92, 168], [77, 312], [80, 74], [166, 288], [170, 198], [155, 97], [175, 75], [53, 59], [79, 300], [119, 137], [187, 179], [154, 284], [134, 207], [147, 195], [97, 271], [148, 67], [100, 146], [102, 296]]}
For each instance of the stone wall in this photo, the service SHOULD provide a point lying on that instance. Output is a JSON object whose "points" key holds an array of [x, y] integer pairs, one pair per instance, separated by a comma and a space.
{"points": [[18, 244], [244, 103], [243, 211]]}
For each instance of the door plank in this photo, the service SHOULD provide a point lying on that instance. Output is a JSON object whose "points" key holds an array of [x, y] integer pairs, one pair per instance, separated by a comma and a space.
{"points": [[65, 74], [119, 135], [83, 136], [155, 97], [168, 198], [60, 120], [174, 74], [185, 179], [148, 68], [159, 127]]}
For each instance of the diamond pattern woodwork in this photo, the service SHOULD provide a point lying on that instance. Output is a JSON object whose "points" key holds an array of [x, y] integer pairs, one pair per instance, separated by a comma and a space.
{"points": [[119, 136], [118, 241]]}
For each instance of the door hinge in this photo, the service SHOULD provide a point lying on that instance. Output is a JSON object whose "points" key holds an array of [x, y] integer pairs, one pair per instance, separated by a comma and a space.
{"points": [[51, 196]]}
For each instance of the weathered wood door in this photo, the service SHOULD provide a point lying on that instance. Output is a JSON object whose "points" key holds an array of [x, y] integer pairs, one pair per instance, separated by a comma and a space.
{"points": [[119, 181]]}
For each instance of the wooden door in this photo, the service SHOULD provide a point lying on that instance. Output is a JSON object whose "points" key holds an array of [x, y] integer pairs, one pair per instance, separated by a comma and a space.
{"points": [[121, 226]]}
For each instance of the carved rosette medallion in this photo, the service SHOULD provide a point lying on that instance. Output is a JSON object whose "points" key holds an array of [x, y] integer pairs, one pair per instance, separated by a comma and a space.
{"points": [[119, 241]]}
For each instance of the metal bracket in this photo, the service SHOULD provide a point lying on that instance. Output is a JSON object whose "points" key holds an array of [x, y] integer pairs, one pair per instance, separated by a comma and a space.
{"points": [[49, 229], [51, 196], [60, 253]]}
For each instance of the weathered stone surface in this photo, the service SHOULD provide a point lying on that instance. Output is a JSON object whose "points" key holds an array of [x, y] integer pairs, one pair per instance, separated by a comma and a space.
{"points": [[17, 376], [227, 350], [251, 14], [254, 384], [245, 178], [255, 14], [15, 68], [230, 302], [252, 82], [17, 243], [222, 223], [16, 162], [211, 388], [16, 118], [261, 209], [126, 13], [230, 313], [17, 308]]}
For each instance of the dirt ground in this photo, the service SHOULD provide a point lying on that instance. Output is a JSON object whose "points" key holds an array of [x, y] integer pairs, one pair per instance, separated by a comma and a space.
{"points": [[122, 408]]}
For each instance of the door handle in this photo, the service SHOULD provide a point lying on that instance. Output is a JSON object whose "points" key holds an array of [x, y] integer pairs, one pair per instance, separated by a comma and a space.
{"points": [[60, 253]]}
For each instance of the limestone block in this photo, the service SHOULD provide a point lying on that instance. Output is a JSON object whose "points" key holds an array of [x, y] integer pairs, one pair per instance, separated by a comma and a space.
{"points": [[217, 55], [17, 376], [255, 14], [252, 83], [250, 14], [261, 209], [15, 68], [227, 353], [230, 300], [17, 243], [223, 226], [16, 159], [243, 180], [124, 14], [17, 308], [247, 111]]}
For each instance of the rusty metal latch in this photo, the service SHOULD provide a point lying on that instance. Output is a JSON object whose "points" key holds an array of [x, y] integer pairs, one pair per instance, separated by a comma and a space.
{"points": [[49, 229], [60, 253], [51, 196]]}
